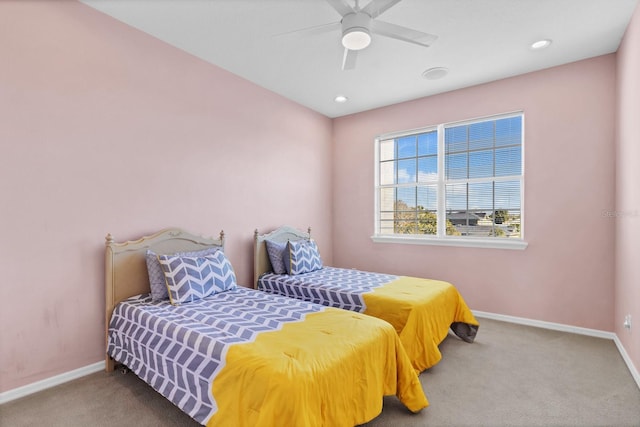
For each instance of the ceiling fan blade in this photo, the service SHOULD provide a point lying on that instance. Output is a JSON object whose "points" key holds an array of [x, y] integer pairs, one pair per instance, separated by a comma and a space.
{"points": [[377, 7], [403, 33], [349, 59], [309, 31], [341, 6]]}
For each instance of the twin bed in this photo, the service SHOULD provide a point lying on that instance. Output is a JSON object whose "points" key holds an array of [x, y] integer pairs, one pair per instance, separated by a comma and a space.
{"points": [[228, 355], [422, 311]]}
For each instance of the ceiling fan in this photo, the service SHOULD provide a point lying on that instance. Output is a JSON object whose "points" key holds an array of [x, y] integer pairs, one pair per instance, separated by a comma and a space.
{"points": [[357, 24]]}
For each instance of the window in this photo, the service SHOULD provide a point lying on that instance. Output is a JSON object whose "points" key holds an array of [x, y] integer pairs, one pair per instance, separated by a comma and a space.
{"points": [[454, 183]]}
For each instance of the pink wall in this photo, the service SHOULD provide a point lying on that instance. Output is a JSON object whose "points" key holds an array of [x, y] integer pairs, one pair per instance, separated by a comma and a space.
{"points": [[105, 129], [566, 273], [627, 221]]}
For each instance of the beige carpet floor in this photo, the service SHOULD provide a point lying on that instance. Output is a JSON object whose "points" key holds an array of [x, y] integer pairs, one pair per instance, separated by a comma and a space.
{"points": [[512, 375]]}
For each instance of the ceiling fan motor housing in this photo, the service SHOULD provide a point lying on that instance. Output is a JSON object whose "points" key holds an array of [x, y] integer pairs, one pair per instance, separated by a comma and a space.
{"points": [[356, 33]]}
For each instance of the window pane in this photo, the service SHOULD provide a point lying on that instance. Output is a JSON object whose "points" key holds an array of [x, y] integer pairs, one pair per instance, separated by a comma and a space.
{"points": [[481, 164], [512, 225], [428, 143], [455, 166], [427, 222], [427, 169], [406, 198], [387, 227], [387, 199], [507, 195], [471, 221], [387, 220], [406, 171], [456, 197], [481, 135], [406, 226], [387, 149], [460, 220], [507, 213], [481, 196], [388, 172], [509, 131], [455, 139], [427, 197], [406, 147], [387, 216], [405, 214], [508, 161]]}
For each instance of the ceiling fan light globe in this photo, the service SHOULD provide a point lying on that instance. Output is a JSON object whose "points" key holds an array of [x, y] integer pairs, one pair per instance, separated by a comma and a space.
{"points": [[356, 38]]}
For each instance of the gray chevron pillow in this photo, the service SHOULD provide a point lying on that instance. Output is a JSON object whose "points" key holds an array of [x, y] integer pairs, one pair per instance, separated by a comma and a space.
{"points": [[190, 279], [276, 250], [302, 256], [156, 276]]}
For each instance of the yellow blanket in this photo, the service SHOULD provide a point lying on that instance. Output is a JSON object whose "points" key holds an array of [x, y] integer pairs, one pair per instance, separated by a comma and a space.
{"points": [[332, 369], [421, 311]]}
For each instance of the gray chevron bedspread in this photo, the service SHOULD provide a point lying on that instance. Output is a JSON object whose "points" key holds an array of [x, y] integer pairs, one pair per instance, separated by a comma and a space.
{"points": [[179, 350], [333, 287]]}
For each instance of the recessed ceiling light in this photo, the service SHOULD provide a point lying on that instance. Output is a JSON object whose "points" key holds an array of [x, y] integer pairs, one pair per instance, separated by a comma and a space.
{"points": [[540, 44], [340, 99], [435, 73]]}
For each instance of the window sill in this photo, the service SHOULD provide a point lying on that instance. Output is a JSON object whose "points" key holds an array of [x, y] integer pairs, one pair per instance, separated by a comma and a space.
{"points": [[469, 243]]}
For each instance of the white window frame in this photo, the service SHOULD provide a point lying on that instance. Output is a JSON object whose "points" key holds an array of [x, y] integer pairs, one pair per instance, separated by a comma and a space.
{"points": [[441, 238]]}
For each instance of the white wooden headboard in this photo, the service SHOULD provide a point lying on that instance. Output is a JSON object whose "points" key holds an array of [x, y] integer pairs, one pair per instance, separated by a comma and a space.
{"points": [[261, 263]]}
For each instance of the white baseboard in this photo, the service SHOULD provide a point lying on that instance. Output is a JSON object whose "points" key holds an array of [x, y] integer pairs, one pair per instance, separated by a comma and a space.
{"points": [[19, 392], [567, 328], [627, 360], [545, 325]]}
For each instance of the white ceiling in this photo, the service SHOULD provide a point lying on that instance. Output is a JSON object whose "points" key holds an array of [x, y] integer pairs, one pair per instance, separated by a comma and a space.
{"points": [[478, 41]]}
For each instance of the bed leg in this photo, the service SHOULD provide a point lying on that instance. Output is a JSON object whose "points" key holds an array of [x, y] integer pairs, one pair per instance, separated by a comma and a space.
{"points": [[109, 364]]}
